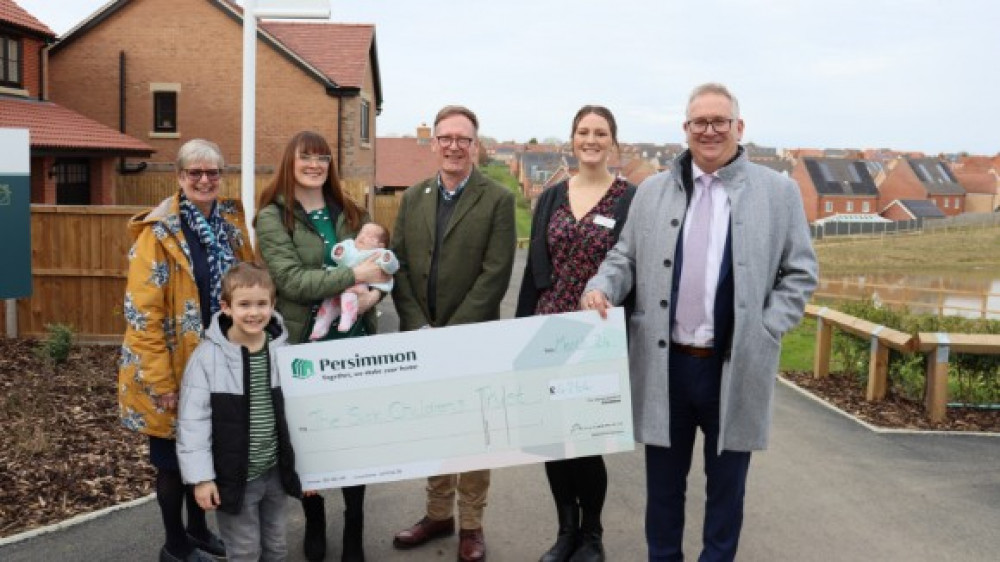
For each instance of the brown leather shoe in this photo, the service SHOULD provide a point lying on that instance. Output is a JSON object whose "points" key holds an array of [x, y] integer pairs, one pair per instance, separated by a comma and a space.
{"points": [[423, 531], [471, 545]]}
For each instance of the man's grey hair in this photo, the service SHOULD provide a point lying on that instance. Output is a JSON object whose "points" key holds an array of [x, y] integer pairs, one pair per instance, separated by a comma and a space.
{"points": [[714, 88], [199, 150]]}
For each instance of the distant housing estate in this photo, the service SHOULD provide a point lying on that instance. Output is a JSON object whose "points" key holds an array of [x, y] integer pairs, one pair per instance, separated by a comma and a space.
{"points": [[836, 184]]}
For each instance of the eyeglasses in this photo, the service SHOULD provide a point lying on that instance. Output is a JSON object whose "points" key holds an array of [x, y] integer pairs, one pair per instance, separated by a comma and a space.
{"points": [[324, 159], [699, 126], [461, 142], [195, 175]]}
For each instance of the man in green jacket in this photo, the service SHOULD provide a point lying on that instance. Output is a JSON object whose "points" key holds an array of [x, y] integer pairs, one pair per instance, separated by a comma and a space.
{"points": [[455, 240]]}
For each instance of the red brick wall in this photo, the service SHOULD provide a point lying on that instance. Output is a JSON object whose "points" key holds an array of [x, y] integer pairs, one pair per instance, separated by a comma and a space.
{"points": [[896, 213], [43, 187], [949, 208], [30, 66], [810, 199], [359, 158], [840, 204], [102, 183], [900, 183], [197, 45]]}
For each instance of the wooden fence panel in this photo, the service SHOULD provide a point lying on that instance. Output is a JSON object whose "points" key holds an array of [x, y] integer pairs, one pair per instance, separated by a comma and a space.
{"points": [[357, 190], [149, 188], [79, 266], [386, 209], [79, 258]]}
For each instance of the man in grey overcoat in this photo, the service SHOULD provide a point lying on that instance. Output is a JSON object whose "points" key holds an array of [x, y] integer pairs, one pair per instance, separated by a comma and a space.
{"points": [[719, 254]]}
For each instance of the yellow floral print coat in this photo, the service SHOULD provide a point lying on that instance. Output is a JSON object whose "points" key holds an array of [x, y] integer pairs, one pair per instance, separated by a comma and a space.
{"points": [[163, 312]]}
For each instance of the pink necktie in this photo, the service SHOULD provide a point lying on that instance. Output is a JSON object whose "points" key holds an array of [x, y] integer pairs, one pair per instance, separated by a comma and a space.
{"points": [[691, 293]]}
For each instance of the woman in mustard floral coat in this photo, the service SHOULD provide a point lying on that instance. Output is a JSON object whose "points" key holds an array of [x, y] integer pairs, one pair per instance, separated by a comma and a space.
{"points": [[181, 250]]}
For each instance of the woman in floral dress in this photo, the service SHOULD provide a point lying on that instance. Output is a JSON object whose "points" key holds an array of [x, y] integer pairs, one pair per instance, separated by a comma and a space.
{"points": [[575, 223]]}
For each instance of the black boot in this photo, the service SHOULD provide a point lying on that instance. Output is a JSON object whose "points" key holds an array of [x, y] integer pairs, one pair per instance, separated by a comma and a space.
{"points": [[314, 544], [591, 547], [354, 525], [568, 537]]}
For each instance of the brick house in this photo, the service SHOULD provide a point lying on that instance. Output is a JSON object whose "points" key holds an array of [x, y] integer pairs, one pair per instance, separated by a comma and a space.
{"points": [[922, 178], [72, 158], [980, 176], [535, 168], [170, 71], [912, 209], [832, 186], [404, 161]]}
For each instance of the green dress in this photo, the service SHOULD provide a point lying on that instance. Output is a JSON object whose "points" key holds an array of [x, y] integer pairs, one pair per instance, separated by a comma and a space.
{"points": [[320, 219]]}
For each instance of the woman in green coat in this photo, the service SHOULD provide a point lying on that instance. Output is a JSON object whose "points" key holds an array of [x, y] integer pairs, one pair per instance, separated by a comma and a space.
{"points": [[303, 213]]}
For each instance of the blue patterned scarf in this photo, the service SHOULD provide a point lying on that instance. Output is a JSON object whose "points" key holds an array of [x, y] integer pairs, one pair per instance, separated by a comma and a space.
{"points": [[214, 238]]}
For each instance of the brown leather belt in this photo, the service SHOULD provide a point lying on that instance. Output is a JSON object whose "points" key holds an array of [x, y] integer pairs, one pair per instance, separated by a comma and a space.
{"points": [[700, 352]]}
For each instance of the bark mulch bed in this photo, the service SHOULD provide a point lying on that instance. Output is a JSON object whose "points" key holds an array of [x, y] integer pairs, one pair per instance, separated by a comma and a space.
{"points": [[63, 452], [895, 411]]}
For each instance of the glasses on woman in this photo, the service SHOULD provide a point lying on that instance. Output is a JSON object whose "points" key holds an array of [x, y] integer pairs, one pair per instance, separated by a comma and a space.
{"points": [[324, 159], [195, 174]]}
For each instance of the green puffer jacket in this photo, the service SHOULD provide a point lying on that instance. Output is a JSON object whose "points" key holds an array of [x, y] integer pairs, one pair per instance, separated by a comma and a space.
{"points": [[295, 261]]}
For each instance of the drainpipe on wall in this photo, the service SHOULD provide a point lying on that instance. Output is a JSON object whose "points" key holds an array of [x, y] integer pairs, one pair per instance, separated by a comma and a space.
{"points": [[123, 166], [340, 137]]}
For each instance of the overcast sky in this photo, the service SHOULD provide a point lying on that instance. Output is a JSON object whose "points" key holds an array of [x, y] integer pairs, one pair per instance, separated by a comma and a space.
{"points": [[901, 74]]}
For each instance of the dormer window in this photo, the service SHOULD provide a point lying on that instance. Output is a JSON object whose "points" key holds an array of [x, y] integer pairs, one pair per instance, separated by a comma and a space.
{"points": [[10, 61]]}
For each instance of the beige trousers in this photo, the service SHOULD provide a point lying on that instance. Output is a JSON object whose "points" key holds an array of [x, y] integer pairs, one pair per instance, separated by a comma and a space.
{"points": [[471, 488]]}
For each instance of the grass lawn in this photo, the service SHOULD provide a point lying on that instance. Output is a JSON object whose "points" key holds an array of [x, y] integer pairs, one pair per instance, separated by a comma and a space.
{"points": [[501, 174], [797, 347], [958, 250]]}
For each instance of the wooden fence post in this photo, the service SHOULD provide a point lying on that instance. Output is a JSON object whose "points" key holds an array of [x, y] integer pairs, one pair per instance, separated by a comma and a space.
{"points": [[937, 379], [878, 367], [824, 342]]}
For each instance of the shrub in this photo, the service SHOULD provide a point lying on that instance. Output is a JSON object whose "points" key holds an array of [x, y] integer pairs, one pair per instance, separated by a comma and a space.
{"points": [[974, 379], [57, 345]]}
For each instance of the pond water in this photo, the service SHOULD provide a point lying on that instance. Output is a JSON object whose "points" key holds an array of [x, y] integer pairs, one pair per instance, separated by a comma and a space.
{"points": [[971, 295]]}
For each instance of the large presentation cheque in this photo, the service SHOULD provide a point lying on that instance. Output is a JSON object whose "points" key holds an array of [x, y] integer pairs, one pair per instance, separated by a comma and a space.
{"points": [[446, 400]]}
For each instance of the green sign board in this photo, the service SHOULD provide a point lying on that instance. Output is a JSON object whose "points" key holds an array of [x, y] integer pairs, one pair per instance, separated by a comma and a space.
{"points": [[15, 214]]}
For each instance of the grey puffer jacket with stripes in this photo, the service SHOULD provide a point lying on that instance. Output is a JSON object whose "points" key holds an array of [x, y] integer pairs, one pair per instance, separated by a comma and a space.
{"points": [[213, 426]]}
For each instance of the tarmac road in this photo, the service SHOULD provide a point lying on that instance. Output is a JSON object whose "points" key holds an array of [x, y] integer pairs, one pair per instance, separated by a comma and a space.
{"points": [[828, 489]]}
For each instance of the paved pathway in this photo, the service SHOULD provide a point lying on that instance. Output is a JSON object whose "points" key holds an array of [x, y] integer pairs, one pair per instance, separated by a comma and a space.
{"points": [[827, 490]]}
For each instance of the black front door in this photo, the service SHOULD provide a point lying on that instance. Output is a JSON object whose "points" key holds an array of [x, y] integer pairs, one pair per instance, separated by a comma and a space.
{"points": [[72, 181]]}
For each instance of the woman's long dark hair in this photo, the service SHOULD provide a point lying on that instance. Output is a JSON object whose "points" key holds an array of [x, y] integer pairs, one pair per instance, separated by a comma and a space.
{"points": [[308, 142]]}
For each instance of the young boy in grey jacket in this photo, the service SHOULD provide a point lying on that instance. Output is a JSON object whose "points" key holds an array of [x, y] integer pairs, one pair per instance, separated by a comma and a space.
{"points": [[232, 439]]}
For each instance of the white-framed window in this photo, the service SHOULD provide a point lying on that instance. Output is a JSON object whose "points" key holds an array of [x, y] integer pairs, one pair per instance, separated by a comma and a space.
{"points": [[828, 206], [946, 202], [850, 206], [866, 207], [165, 106], [165, 112], [957, 203]]}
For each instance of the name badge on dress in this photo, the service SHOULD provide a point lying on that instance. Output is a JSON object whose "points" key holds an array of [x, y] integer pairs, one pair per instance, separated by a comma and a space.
{"points": [[606, 222]]}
